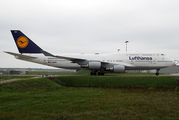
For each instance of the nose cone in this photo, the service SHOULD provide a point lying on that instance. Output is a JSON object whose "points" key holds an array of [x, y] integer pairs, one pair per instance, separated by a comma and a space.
{"points": [[171, 62], [176, 62]]}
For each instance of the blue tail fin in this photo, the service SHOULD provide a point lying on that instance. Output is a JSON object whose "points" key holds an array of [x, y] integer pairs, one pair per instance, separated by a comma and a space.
{"points": [[24, 44]]}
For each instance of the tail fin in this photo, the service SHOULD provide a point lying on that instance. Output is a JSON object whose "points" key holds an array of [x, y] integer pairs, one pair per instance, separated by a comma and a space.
{"points": [[24, 44]]}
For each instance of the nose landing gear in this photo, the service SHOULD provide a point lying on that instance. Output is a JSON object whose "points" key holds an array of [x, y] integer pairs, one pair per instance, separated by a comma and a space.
{"points": [[157, 72]]}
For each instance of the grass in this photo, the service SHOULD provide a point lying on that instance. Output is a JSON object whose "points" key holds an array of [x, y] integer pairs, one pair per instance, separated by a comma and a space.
{"points": [[144, 81], [44, 99], [32, 84]]}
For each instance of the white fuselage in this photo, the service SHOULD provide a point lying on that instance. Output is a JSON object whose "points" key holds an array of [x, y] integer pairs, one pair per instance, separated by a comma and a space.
{"points": [[97, 63], [131, 61]]}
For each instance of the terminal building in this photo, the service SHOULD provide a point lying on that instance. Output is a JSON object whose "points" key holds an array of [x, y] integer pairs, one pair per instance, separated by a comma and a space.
{"points": [[18, 72]]}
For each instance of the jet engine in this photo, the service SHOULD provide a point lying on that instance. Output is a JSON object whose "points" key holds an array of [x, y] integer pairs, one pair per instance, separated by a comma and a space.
{"points": [[116, 69], [92, 65]]}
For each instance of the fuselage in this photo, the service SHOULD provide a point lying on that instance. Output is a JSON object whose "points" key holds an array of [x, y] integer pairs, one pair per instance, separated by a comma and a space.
{"points": [[131, 61], [97, 63]]}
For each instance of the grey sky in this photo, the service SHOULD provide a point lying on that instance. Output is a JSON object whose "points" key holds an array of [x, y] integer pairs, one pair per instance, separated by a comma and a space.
{"points": [[89, 26]]}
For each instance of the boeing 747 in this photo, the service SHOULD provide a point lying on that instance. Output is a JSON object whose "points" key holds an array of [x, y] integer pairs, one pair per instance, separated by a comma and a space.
{"points": [[96, 63]]}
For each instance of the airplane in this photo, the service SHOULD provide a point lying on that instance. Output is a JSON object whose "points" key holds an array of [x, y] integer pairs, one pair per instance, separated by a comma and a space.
{"points": [[98, 64]]}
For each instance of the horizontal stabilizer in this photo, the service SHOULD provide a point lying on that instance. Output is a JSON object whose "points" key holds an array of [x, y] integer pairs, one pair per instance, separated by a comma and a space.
{"points": [[20, 56]]}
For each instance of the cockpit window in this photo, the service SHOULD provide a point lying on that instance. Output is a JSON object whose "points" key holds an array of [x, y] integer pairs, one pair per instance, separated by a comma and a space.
{"points": [[162, 55]]}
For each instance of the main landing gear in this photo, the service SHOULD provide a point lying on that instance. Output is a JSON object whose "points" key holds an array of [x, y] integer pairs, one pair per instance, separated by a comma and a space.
{"points": [[157, 72], [94, 72]]}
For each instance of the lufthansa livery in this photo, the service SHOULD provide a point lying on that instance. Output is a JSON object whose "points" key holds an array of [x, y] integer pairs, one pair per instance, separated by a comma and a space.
{"points": [[96, 63]]}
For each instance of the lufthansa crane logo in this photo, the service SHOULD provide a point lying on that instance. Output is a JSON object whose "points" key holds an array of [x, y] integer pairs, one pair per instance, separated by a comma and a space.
{"points": [[22, 42]]}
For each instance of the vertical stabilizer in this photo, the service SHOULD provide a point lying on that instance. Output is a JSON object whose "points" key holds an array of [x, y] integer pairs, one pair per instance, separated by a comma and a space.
{"points": [[24, 44]]}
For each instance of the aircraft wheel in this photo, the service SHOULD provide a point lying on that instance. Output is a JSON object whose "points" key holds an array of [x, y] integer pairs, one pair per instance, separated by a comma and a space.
{"points": [[93, 73], [156, 74], [100, 73]]}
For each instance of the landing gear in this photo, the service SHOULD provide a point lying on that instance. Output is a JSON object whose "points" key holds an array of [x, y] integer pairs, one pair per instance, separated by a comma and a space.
{"points": [[157, 72], [100, 73], [94, 72]]}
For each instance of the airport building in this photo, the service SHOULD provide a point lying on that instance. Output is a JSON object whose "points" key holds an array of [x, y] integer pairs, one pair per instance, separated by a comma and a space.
{"points": [[18, 72]]}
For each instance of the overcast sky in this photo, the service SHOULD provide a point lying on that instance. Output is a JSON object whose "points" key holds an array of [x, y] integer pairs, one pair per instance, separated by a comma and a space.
{"points": [[90, 26]]}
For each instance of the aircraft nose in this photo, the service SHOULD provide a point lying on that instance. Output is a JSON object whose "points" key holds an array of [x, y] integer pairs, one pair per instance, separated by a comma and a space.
{"points": [[172, 62], [176, 63]]}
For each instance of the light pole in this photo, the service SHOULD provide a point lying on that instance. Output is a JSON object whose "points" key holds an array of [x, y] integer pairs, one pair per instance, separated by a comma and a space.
{"points": [[126, 45]]}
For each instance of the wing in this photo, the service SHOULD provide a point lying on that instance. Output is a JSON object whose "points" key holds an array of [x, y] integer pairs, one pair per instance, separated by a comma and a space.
{"points": [[82, 61], [73, 59]]}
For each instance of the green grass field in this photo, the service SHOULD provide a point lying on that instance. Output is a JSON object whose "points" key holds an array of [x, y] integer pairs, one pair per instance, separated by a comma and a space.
{"points": [[142, 81], [44, 99]]}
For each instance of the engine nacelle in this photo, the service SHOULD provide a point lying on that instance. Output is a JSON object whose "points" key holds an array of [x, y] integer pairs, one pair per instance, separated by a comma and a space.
{"points": [[117, 69], [92, 65]]}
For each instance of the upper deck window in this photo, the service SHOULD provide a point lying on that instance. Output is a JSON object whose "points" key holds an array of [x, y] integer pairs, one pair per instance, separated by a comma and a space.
{"points": [[162, 55]]}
